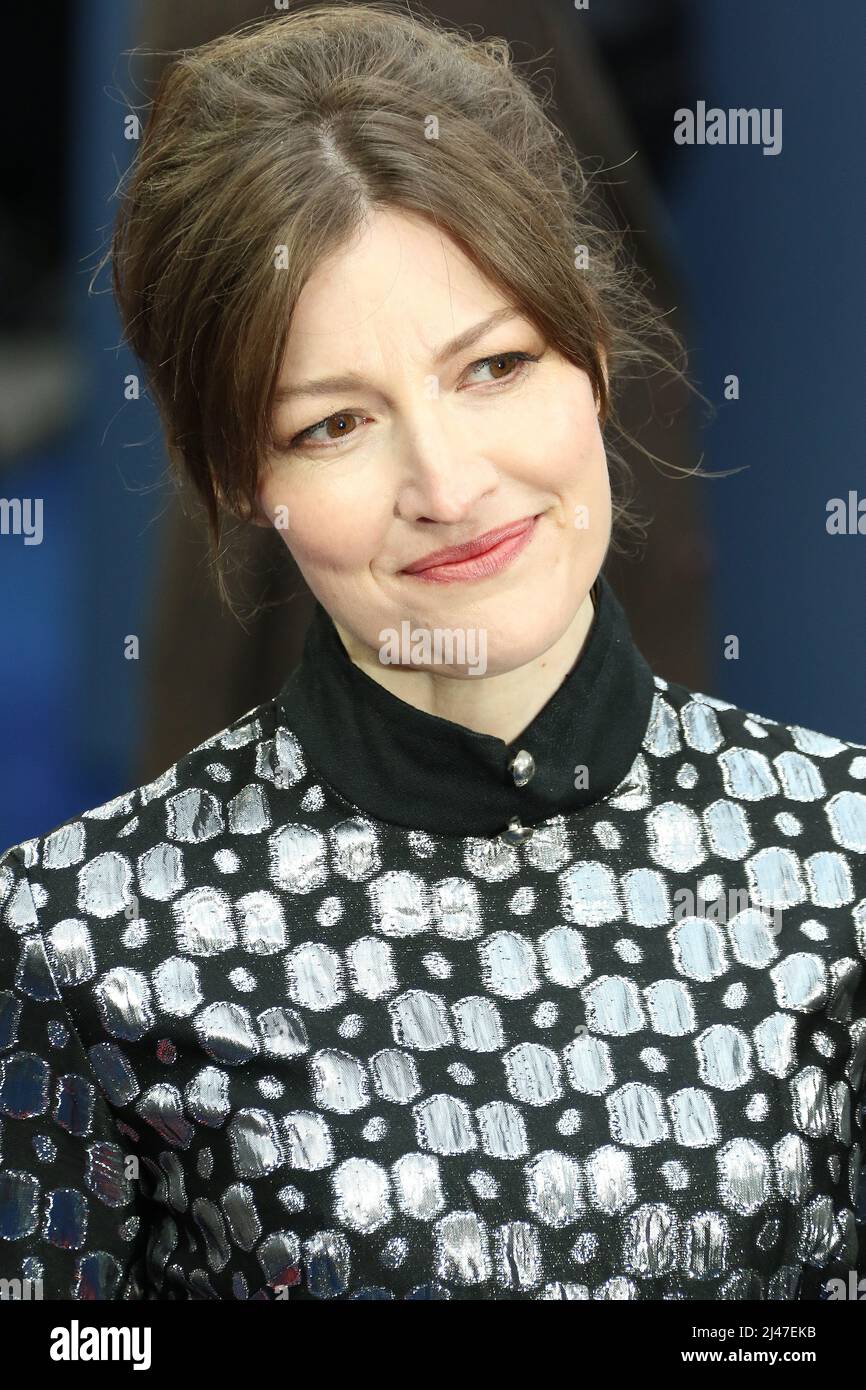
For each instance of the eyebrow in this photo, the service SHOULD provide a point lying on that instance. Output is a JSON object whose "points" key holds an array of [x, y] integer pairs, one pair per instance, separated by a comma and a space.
{"points": [[327, 385]]}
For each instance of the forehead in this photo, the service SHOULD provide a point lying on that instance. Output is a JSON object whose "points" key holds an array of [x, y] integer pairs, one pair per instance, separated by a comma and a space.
{"points": [[399, 282]]}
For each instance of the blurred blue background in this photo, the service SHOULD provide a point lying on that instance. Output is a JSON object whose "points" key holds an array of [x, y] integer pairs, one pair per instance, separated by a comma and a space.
{"points": [[770, 250]]}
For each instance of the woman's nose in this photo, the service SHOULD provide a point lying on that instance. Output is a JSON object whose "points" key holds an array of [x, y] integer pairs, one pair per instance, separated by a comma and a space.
{"points": [[445, 478]]}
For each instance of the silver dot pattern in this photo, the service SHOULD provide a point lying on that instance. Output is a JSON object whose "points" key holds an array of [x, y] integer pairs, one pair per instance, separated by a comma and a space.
{"points": [[257, 1044]]}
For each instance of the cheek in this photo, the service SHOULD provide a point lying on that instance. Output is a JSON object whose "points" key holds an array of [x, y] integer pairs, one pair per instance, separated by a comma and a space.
{"points": [[569, 446], [323, 530], [560, 413]]}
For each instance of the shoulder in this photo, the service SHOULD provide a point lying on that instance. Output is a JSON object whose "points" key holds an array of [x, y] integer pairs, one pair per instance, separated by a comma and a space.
{"points": [[759, 756], [781, 808], [785, 800], [140, 845]]}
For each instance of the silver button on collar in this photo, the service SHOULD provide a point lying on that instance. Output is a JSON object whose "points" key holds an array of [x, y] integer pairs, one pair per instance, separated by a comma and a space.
{"points": [[516, 833], [522, 767]]}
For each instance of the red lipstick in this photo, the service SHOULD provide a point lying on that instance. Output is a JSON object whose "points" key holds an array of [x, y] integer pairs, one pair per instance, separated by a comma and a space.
{"points": [[478, 558]]}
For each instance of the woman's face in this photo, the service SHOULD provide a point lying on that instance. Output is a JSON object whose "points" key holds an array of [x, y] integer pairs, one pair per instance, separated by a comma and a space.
{"points": [[426, 448]]}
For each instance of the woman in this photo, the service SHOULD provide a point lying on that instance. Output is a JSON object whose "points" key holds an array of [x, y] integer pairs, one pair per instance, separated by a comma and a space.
{"points": [[480, 961]]}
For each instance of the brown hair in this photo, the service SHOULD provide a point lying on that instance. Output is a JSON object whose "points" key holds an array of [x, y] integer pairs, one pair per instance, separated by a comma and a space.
{"points": [[284, 133]]}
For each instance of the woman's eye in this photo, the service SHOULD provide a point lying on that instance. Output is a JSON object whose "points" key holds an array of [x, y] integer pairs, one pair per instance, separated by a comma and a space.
{"points": [[509, 359], [329, 438], [513, 364]]}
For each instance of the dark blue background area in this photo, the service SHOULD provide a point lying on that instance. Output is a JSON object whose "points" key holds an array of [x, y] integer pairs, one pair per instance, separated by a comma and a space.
{"points": [[772, 248]]}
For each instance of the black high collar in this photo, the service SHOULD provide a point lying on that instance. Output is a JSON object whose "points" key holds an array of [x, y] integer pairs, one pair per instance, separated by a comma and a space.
{"points": [[399, 764]]}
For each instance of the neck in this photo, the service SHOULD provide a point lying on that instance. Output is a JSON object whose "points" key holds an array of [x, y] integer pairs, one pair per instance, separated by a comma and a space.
{"points": [[397, 763], [502, 704]]}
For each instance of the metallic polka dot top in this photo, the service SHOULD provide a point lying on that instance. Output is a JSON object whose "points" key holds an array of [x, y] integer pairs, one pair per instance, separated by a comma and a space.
{"points": [[355, 1002]]}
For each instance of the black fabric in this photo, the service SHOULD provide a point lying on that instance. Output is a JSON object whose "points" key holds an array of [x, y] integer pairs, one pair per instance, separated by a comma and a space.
{"points": [[266, 1034], [412, 768]]}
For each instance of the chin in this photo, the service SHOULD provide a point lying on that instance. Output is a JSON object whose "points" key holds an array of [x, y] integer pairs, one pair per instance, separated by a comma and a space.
{"points": [[521, 639]]}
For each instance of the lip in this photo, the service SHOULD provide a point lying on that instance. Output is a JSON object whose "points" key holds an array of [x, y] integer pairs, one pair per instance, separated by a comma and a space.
{"points": [[478, 558], [468, 549]]}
